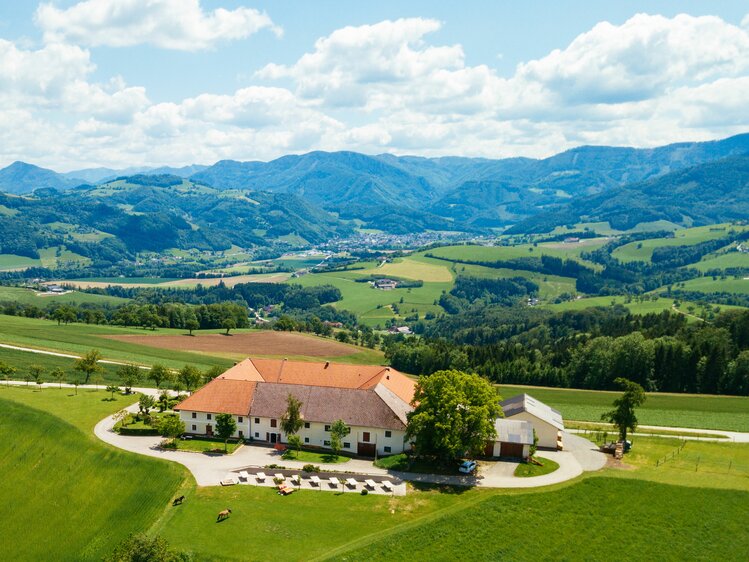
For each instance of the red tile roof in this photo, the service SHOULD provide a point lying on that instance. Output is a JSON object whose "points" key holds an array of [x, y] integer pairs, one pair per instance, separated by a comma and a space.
{"points": [[221, 395]]}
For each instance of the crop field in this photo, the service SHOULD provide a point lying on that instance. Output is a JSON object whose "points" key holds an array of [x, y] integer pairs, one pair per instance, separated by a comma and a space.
{"points": [[79, 338], [190, 283], [29, 296], [699, 411], [643, 250], [263, 343], [417, 267], [66, 495]]}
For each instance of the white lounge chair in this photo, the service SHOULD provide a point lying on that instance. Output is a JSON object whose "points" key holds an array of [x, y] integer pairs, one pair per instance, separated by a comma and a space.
{"points": [[315, 480], [335, 482], [260, 477], [370, 483], [243, 474], [279, 476], [350, 482], [294, 478], [387, 485]]}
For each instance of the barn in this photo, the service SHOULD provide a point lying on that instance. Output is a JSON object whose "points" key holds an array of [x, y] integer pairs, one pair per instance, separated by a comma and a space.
{"points": [[514, 439], [547, 421]]}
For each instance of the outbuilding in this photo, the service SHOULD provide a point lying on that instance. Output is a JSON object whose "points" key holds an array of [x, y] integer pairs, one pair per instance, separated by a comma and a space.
{"points": [[547, 421], [514, 439]]}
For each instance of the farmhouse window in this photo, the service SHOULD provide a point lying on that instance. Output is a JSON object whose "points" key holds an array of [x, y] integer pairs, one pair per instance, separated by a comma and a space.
{"points": [[257, 420], [257, 435], [327, 428], [365, 437], [241, 419], [273, 423], [306, 425], [346, 445], [326, 443], [194, 415], [306, 439], [208, 416], [194, 427], [387, 449], [388, 434], [241, 434]]}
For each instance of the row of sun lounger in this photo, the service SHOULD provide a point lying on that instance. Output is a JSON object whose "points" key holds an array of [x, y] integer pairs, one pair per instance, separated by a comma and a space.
{"points": [[317, 481]]}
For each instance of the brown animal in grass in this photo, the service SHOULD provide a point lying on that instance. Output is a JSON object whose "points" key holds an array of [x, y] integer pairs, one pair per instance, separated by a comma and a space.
{"points": [[223, 515]]}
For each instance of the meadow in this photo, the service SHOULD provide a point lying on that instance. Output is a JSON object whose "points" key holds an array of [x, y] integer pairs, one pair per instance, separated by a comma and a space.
{"points": [[699, 411], [11, 261], [643, 250], [29, 296], [727, 260], [635, 306], [737, 285], [67, 495]]}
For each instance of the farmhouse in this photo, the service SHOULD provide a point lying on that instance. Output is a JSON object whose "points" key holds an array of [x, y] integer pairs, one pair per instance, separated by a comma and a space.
{"points": [[514, 439], [545, 420], [385, 284], [372, 400]]}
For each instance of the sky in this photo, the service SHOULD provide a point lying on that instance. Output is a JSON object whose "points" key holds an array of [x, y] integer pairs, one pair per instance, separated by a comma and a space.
{"points": [[122, 83]]}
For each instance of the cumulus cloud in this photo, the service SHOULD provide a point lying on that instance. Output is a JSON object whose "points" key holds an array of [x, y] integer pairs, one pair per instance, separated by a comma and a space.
{"points": [[170, 24], [385, 87]]}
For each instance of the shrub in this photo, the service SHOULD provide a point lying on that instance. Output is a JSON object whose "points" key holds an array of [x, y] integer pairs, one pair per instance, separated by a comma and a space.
{"points": [[310, 468], [138, 431], [364, 492]]}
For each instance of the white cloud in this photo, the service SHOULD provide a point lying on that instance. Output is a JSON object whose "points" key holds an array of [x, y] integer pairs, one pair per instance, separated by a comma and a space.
{"points": [[386, 88], [170, 24]]}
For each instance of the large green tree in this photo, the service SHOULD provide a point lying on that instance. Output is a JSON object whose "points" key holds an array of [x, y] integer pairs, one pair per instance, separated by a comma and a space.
{"points": [[130, 375], [190, 377], [225, 427], [453, 415], [160, 374], [338, 431], [623, 415]]}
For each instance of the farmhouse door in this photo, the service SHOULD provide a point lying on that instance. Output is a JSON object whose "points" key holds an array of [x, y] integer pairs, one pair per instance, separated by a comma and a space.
{"points": [[272, 437], [489, 449], [512, 450], [209, 429], [365, 449]]}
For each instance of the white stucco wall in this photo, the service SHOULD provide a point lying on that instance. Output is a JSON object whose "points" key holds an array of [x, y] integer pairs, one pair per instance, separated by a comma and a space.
{"points": [[547, 433], [198, 423]]}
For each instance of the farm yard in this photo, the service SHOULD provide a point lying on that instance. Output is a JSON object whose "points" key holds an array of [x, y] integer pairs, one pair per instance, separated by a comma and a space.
{"points": [[351, 526]]}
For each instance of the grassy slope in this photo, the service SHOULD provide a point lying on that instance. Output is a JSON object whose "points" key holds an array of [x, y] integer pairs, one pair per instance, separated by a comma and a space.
{"points": [[11, 261], [496, 253], [28, 296], [722, 261], [710, 285], [686, 237], [65, 492], [676, 410]]}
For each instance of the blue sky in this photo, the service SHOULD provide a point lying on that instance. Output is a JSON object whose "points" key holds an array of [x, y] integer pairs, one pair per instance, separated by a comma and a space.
{"points": [[129, 82]]}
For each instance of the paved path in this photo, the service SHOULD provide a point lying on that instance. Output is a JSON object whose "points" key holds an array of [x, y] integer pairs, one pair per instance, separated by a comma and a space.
{"points": [[686, 433]]}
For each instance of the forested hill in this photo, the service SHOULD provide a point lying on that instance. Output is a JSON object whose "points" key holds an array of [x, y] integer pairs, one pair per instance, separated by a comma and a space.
{"points": [[409, 194], [115, 220], [708, 193]]}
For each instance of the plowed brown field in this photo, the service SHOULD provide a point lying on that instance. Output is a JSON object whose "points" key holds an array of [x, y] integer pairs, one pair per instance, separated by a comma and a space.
{"points": [[248, 343]]}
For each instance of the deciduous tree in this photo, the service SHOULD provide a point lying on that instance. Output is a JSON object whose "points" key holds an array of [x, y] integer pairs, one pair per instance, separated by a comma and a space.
{"points": [[453, 415], [338, 431], [89, 364], [623, 415], [291, 420], [225, 427]]}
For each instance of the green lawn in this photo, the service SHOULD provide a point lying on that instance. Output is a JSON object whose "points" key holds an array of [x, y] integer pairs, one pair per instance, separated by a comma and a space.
{"points": [[203, 445], [723, 261], [737, 285], [314, 457], [676, 410], [402, 462], [529, 470], [22, 360], [67, 496]]}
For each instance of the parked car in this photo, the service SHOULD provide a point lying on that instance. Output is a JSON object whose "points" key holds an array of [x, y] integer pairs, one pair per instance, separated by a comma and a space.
{"points": [[467, 467]]}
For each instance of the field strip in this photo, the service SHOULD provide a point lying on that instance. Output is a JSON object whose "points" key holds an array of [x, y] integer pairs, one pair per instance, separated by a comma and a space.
{"points": [[368, 539], [65, 355]]}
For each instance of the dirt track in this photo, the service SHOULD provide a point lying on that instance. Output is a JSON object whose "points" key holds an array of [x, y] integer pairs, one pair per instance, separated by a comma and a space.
{"points": [[252, 343]]}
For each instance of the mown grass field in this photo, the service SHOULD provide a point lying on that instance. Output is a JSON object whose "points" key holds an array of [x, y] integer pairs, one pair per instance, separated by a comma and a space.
{"points": [[604, 228], [699, 411], [11, 261], [498, 253], [23, 360], [643, 250], [647, 306], [29, 296], [67, 496], [737, 285], [729, 259]]}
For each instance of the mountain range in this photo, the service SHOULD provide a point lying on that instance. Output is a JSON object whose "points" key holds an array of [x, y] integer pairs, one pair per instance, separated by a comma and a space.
{"points": [[400, 194]]}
